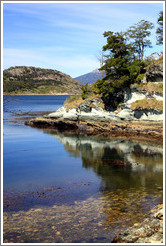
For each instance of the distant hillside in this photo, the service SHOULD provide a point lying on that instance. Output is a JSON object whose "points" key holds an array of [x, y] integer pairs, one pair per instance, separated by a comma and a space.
{"points": [[32, 80], [90, 77]]}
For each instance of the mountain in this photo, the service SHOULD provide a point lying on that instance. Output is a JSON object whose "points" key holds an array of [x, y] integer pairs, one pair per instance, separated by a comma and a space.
{"points": [[90, 77], [32, 80]]}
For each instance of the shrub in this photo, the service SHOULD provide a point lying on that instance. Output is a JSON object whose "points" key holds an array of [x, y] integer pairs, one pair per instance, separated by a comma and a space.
{"points": [[140, 78], [86, 91]]}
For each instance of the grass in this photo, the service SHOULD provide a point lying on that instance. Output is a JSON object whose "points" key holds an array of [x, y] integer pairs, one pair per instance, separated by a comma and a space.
{"points": [[75, 101], [148, 104], [150, 87]]}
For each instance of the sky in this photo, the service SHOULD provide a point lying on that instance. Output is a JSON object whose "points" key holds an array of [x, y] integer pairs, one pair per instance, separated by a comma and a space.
{"points": [[67, 36]]}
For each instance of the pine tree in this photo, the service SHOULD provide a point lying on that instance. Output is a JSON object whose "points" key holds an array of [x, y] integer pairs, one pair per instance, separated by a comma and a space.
{"points": [[138, 35], [159, 30]]}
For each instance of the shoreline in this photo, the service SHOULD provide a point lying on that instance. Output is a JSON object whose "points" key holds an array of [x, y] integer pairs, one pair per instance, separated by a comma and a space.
{"points": [[140, 130], [150, 230], [31, 94]]}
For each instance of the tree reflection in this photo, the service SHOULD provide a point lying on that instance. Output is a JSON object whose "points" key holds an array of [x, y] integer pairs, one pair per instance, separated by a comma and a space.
{"points": [[121, 164], [130, 172]]}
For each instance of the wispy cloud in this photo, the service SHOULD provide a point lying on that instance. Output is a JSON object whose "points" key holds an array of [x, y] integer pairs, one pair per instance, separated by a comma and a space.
{"points": [[73, 64], [66, 36], [88, 13]]}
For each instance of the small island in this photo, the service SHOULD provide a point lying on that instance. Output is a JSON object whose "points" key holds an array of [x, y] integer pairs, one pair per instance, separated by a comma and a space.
{"points": [[83, 157]]}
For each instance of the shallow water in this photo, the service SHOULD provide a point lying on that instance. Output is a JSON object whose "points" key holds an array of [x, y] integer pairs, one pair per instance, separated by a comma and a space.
{"points": [[69, 188]]}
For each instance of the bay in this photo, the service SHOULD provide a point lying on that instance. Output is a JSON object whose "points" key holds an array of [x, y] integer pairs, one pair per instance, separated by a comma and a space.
{"points": [[70, 188]]}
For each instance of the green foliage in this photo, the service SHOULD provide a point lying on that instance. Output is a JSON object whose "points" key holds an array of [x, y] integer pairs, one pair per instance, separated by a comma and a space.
{"points": [[116, 65], [36, 80], [86, 91], [136, 68], [100, 86], [116, 44], [124, 64], [140, 77], [121, 83], [12, 85], [120, 67], [138, 34], [159, 30]]}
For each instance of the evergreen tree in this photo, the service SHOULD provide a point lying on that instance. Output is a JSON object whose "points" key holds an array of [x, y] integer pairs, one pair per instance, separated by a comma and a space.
{"points": [[121, 67], [139, 33], [159, 30], [117, 61]]}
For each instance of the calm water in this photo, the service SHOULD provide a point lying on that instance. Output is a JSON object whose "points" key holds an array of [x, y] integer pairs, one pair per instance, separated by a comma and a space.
{"points": [[61, 188]]}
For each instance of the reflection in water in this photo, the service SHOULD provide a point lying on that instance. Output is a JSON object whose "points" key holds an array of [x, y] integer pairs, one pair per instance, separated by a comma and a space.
{"points": [[121, 164], [130, 176]]}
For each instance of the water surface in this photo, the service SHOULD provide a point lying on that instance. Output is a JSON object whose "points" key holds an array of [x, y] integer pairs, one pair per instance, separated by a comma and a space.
{"points": [[69, 188]]}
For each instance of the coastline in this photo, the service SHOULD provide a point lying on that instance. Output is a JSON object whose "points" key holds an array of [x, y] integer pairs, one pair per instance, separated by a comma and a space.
{"points": [[142, 130], [34, 94], [150, 229]]}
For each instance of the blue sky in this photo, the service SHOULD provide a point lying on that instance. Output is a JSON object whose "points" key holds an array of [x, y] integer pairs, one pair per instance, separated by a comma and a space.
{"points": [[68, 36]]}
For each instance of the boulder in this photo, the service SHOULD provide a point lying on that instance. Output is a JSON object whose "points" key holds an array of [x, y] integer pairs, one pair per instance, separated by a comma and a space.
{"points": [[57, 114], [85, 106], [148, 231], [126, 114], [155, 73]]}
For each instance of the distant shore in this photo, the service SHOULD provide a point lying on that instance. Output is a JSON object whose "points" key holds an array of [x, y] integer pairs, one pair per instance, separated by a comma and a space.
{"points": [[34, 94]]}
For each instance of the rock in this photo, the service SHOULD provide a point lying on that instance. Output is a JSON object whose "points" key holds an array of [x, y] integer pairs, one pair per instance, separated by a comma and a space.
{"points": [[138, 114], [85, 106], [58, 114], [94, 109], [148, 231], [158, 97], [126, 114], [133, 96], [155, 73]]}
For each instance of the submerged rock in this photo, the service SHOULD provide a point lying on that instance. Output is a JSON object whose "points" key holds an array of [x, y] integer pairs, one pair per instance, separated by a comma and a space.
{"points": [[148, 231]]}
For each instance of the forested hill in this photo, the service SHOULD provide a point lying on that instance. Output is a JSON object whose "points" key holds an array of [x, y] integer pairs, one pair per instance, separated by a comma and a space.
{"points": [[32, 80]]}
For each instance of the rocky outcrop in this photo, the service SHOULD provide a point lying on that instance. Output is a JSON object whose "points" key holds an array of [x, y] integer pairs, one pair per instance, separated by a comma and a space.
{"points": [[155, 73], [148, 131], [94, 110], [148, 231]]}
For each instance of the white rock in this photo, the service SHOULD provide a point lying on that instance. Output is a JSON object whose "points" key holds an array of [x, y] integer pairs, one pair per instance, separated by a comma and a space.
{"points": [[158, 97], [127, 114], [152, 117], [134, 96], [58, 114]]}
